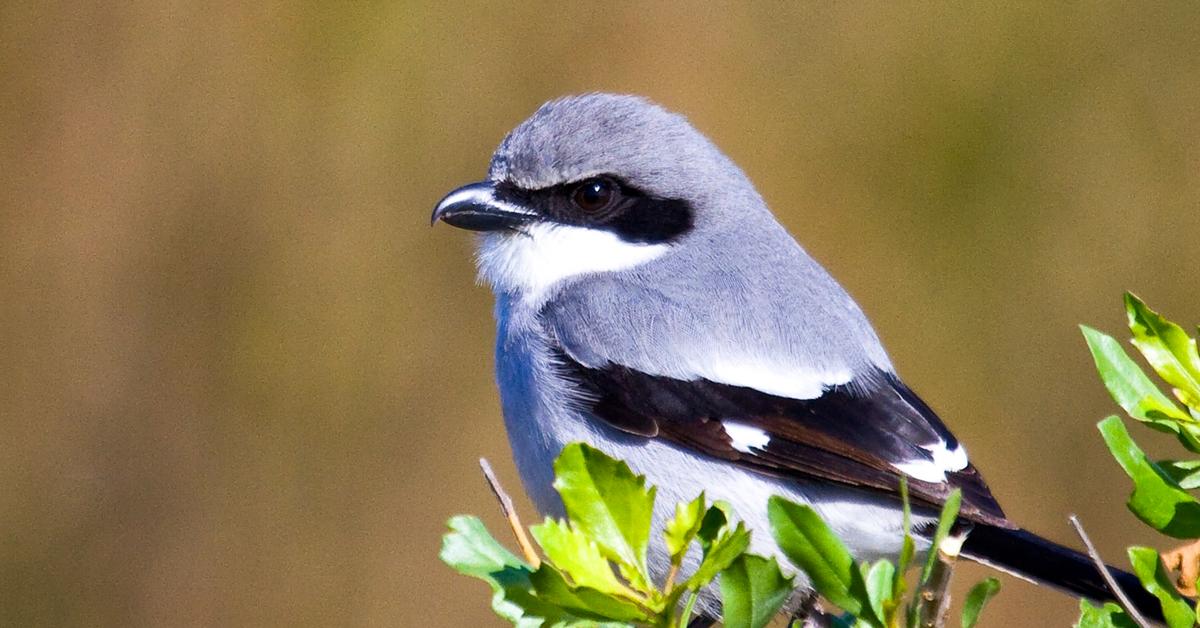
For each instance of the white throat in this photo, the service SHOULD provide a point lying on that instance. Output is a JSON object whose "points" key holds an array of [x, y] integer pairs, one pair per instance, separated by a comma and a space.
{"points": [[531, 262]]}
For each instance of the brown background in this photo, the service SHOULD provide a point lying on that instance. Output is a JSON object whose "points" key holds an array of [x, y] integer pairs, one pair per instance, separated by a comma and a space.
{"points": [[243, 383]]}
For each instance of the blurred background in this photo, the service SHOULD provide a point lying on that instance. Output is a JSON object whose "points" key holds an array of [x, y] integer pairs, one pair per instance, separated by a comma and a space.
{"points": [[244, 383]]}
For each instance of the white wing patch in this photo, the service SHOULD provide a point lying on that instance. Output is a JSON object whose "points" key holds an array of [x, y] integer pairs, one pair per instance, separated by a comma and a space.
{"points": [[773, 379], [949, 459], [532, 261], [744, 437], [925, 470], [944, 461]]}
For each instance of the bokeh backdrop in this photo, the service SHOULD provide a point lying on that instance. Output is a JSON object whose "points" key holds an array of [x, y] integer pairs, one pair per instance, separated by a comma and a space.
{"points": [[243, 383]]}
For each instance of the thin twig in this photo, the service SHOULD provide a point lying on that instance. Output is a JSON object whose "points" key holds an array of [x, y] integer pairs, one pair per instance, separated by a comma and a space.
{"points": [[510, 513], [1108, 579], [933, 597], [671, 573]]}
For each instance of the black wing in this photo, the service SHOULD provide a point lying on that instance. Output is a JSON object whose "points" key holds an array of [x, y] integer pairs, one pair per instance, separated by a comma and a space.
{"points": [[860, 435]]}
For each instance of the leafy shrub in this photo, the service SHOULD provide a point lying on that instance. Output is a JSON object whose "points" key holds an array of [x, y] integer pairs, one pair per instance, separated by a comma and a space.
{"points": [[595, 574], [594, 571], [1162, 494]]}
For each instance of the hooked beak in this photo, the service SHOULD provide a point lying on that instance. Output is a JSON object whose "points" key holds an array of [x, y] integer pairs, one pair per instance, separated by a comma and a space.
{"points": [[475, 207]]}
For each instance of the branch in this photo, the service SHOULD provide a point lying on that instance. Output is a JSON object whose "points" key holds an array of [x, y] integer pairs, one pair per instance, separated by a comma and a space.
{"points": [[1108, 579], [933, 597], [510, 513]]}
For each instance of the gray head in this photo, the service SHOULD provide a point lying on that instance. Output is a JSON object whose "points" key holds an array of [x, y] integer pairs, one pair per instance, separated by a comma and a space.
{"points": [[625, 137], [633, 236], [597, 183]]}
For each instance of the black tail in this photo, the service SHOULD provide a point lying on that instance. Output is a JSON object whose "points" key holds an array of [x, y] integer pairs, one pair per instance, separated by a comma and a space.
{"points": [[1029, 556]]}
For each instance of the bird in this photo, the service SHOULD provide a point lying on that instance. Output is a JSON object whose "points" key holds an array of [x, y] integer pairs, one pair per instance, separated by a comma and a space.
{"points": [[649, 303]]}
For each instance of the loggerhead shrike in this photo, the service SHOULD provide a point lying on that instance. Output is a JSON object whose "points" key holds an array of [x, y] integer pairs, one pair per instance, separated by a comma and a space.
{"points": [[649, 304]]}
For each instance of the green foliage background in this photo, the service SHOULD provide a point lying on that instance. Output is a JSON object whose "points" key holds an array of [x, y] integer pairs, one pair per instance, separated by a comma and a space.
{"points": [[243, 383], [608, 529], [1160, 497]]}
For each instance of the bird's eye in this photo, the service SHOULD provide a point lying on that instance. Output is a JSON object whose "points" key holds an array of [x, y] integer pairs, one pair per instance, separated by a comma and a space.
{"points": [[594, 195]]}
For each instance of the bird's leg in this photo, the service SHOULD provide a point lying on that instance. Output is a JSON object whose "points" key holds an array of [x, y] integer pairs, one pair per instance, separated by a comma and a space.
{"points": [[808, 615], [815, 619]]}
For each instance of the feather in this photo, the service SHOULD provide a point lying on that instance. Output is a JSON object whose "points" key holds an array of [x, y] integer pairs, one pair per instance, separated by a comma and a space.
{"points": [[859, 435]]}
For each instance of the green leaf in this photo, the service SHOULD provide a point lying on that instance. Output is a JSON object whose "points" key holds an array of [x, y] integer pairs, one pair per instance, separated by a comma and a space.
{"points": [[908, 549], [713, 523], [1188, 434], [536, 612], [811, 545], [1108, 616], [578, 556], [720, 554], [1155, 578], [977, 597], [1133, 390], [1185, 472], [583, 602], [470, 550], [1149, 569], [683, 527], [1129, 386], [685, 618], [608, 503], [1157, 499], [945, 521], [879, 581], [1167, 348], [752, 591]]}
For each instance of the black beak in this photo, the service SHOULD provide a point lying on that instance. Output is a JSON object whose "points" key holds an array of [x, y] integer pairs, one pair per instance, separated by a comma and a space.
{"points": [[475, 207]]}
